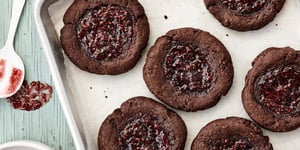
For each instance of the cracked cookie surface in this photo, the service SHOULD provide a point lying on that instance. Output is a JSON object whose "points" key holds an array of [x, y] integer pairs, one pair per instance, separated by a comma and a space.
{"points": [[188, 69], [244, 15], [105, 37], [271, 92]]}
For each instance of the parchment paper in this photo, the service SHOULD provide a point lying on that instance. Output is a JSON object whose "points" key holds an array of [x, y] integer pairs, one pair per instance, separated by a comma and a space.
{"points": [[98, 95]]}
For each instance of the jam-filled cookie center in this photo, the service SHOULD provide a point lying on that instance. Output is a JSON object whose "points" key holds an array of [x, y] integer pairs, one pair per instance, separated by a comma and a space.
{"points": [[231, 143], [144, 132], [278, 89], [187, 68], [244, 7], [105, 31]]}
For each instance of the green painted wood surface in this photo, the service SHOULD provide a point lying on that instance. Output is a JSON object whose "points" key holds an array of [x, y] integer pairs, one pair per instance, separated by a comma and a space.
{"points": [[48, 124]]}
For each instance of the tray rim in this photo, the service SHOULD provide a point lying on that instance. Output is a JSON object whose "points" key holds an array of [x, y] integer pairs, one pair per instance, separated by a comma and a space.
{"points": [[45, 26], [57, 79]]}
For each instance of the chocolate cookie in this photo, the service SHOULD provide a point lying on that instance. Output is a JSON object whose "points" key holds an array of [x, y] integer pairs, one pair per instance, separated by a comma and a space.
{"points": [[232, 133], [142, 123], [271, 95], [105, 37], [189, 69], [244, 15]]}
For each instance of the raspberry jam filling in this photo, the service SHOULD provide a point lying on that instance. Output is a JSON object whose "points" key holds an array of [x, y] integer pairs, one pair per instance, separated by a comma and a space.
{"points": [[245, 7], [31, 96], [278, 89], [187, 68], [231, 143], [104, 32], [143, 132]]}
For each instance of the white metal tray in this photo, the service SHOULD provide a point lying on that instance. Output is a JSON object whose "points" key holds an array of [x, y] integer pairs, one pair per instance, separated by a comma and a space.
{"points": [[88, 98]]}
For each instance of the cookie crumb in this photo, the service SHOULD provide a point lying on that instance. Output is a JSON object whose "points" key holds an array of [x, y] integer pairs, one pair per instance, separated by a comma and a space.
{"points": [[106, 96], [276, 24], [166, 17], [91, 87], [227, 35]]}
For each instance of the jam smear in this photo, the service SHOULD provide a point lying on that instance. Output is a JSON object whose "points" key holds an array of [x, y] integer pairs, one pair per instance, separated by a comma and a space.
{"points": [[31, 96], [245, 7], [2, 68], [187, 68], [143, 132], [278, 89], [15, 79], [105, 31], [231, 143]]}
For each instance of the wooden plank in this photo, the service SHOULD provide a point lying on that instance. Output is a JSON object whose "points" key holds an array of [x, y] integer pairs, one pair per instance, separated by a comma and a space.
{"points": [[48, 124]]}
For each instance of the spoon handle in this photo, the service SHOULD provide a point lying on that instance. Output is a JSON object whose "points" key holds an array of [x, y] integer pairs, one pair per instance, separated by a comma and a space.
{"points": [[16, 13]]}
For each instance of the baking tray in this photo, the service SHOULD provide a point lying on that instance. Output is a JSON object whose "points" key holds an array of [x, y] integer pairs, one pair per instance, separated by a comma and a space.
{"points": [[88, 98]]}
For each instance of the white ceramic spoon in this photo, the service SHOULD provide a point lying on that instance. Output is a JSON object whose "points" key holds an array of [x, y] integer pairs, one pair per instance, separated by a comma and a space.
{"points": [[12, 70]]}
